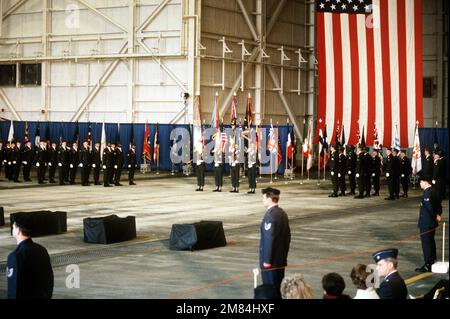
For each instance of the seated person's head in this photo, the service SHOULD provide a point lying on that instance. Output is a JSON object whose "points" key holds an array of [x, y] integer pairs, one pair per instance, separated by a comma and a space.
{"points": [[333, 284], [295, 287], [359, 276]]}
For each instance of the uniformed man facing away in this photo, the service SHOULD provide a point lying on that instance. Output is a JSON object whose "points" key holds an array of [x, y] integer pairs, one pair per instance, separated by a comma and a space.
{"points": [[251, 173], [29, 271], [376, 171], [200, 171], [333, 165], [393, 285], [63, 162], [342, 171], [275, 239], [27, 160], [131, 163], [74, 163], [405, 172], [396, 179], [360, 171], [52, 158], [439, 174], [118, 165], [85, 156], [16, 159], [96, 163], [429, 218], [390, 174], [107, 168], [428, 164], [218, 164]]}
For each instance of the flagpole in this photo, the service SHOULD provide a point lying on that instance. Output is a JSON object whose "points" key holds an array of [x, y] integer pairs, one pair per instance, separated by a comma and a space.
{"points": [[287, 155], [303, 159], [276, 171]]}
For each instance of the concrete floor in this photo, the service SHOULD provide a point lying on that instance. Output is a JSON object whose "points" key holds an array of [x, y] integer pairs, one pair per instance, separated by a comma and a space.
{"points": [[328, 235]]}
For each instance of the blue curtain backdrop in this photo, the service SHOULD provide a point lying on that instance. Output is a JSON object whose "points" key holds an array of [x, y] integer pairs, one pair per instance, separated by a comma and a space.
{"points": [[66, 131]]}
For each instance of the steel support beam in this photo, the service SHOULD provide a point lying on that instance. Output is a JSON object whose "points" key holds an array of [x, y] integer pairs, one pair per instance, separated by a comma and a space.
{"points": [[311, 61], [154, 14], [109, 70], [247, 20], [259, 79], [288, 109], [13, 9], [131, 62], [98, 12], [10, 105]]}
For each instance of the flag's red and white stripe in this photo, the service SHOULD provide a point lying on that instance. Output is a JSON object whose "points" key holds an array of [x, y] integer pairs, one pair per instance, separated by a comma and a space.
{"points": [[370, 69]]}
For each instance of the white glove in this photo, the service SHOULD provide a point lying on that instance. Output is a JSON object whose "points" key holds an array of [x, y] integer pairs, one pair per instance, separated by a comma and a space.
{"points": [[9, 163], [50, 164], [104, 166], [332, 173], [349, 172], [24, 163], [373, 174], [387, 174], [14, 162], [339, 175], [403, 175], [71, 165], [59, 164], [357, 175], [433, 181], [250, 165], [80, 165], [37, 164], [94, 166], [129, 166], [115, 166]]}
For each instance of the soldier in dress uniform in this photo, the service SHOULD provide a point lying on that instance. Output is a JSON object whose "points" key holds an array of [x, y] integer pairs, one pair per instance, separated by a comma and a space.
{"points": [[16, 159], [360, 171], [396, 168], [7, 160], [2, 158], [405, 172], [41, 161], [368, 170], [376, 171], [118, 164], [333, 165], [96, 163], [85, 159], [63, 162], [52, 158], [107, 165], [218, 164], [390, 174], [342, 171], [113, 167], [439, 173], [275, 240], [131, 163], [429, 218], [427, 171], [393, 285], [200, 170], [74, 163], [234, 163], [27, 160], [29, 271], [251, 173]]}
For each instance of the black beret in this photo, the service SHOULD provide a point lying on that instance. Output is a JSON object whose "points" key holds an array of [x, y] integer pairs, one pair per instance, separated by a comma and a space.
{"points": [[271, 191]]}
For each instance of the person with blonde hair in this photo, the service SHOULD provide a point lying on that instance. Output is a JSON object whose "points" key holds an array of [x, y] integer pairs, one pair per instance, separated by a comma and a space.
{"points": [[295, 287]]}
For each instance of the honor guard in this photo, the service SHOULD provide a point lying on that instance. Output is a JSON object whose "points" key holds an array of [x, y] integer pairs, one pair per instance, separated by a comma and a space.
{"points": [[342, 171], [360, 171], [333, 165], [41, 161], [29, 271], [395, 152], [390, 173], [131, 163], [27, 160], [405, 172], [63, 162], [393, 285], [85, 157], [7, 160], [439, 173], [376, 171], [218, 163], [96, 163], [52, 158], [74, 163], [107, 165], [118, 165], [200, 170], [427, 171], [234, 162], [2, 158], [16, 159], [429, 218], [251, 174], [113, 155], [368, 170]]}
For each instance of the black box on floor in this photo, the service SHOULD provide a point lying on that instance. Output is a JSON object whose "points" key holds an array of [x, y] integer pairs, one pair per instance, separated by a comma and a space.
{"points": [[43, 223], [202, 235], [109, 229], [2, 217]]}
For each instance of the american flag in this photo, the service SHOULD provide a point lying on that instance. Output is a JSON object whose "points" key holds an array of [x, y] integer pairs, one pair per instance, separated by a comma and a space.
{"points": [[370, 66]]}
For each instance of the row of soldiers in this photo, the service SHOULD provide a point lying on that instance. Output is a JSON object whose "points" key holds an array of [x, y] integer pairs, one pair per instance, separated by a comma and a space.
{"points": [[47, 157], [365, 169]]}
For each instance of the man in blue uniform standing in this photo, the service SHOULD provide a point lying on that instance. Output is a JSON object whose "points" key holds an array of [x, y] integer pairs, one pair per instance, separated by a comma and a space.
{"points": [[275, 240], [29, 271], [393, 285], [429, 218]]}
